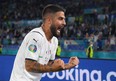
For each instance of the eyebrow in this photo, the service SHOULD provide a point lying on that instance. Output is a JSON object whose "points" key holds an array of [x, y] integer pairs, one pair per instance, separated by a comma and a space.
{"points": [[61, 17]]}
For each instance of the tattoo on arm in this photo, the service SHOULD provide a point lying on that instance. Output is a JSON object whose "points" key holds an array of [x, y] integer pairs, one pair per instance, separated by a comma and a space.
{"points": [[34, 66]]}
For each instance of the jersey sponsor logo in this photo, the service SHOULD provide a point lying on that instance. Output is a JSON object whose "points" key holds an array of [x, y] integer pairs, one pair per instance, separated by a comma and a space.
{"points": [[32, 48]]}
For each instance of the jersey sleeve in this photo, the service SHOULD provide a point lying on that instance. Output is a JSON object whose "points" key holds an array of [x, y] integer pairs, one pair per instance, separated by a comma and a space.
{"points": [[33, 48]]}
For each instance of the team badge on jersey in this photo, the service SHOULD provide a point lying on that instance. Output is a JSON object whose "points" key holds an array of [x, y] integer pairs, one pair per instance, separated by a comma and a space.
{"points": [[32, 48]]}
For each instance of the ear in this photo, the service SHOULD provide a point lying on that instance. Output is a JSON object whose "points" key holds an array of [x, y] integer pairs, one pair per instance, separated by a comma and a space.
{"points": [[49, 20]]}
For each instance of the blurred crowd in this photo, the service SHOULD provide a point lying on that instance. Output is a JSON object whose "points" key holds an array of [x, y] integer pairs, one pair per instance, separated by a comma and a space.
{"points": [[31, 9], [99, 28]]}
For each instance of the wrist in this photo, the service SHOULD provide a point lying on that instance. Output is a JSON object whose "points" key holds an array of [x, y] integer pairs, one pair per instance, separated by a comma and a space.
{"points": [[56, 68], [67, 66]]}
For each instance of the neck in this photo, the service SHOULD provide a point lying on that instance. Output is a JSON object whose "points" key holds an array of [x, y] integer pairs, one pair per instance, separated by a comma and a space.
{"points": [[47, 32]]}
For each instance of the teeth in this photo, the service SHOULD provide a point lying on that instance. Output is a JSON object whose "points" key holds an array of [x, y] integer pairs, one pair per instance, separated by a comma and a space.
{"points": [[58, 31]]}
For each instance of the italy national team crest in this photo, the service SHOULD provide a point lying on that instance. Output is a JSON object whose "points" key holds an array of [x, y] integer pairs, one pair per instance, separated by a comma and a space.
{"points": [[32, 48]]}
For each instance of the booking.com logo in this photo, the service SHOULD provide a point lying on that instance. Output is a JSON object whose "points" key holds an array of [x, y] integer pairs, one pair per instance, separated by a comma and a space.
{"points": [[76, 74]]}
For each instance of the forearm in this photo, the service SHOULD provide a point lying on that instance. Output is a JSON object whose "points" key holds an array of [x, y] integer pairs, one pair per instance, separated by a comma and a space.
{"points": [[33, 66]]}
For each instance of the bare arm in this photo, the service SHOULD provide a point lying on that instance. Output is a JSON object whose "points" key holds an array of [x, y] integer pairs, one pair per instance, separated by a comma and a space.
{"points": [[52, 66], [34, 66]]}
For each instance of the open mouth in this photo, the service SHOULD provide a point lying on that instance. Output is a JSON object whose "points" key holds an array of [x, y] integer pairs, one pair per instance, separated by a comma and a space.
{"points": [[59, 29]]}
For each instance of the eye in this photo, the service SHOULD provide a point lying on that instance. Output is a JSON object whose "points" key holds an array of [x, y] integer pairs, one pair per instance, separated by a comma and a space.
{"points": [[60, 18]]}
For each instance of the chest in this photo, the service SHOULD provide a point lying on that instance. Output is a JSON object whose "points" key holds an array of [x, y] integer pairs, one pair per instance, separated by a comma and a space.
{"points": [[47, 51]]}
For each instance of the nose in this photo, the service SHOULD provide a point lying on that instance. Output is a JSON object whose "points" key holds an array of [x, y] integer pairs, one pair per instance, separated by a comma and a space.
{"points": [[64, 22]]}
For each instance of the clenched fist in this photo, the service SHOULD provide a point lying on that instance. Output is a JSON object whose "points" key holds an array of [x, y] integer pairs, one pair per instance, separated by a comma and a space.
{"points": [[73, 62], [58, 65]]}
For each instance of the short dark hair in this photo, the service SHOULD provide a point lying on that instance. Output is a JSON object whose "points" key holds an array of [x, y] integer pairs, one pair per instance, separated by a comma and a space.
{"points": [[52, 8]]}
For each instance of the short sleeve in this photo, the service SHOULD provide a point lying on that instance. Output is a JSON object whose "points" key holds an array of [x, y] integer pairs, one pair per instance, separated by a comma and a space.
{"points": [[33, 48]]}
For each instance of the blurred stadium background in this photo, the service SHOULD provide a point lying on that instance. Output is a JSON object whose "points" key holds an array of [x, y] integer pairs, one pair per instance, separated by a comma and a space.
{"points": [[87, 21]]}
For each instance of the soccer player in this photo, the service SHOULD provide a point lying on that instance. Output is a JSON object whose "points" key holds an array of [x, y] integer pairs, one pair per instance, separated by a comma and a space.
{"points": [[36, 54]]}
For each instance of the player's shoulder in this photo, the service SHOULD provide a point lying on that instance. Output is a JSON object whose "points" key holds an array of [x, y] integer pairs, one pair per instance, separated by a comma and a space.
{"points": [[38, 31], [35, 33], [55, 39]]}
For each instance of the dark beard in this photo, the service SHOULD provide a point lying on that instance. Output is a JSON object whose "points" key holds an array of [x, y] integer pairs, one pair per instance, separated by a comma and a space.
{"points": [[53, 30]]}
